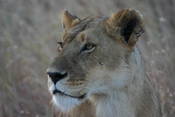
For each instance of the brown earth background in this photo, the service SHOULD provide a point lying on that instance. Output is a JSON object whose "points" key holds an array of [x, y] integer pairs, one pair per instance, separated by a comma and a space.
{"points": [[29, 30]]}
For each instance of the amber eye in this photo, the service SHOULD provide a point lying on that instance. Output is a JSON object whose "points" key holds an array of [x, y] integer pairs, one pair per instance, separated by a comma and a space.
{"points": [[88, 47]]}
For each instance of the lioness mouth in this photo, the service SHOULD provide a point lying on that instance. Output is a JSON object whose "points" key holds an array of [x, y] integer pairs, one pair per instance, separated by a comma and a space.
{"points": [[64, 94]]}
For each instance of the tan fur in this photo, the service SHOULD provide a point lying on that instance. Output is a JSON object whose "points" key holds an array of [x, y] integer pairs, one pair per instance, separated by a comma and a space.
{"points": [[118, 20], [69, 20], [108, 73]]}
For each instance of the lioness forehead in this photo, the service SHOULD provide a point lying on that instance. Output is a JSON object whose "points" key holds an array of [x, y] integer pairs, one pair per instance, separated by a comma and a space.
{"points": [[84, 24]]}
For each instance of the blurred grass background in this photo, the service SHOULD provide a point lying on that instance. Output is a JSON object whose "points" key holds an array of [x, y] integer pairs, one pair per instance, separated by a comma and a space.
{"points": [[29, 30]]}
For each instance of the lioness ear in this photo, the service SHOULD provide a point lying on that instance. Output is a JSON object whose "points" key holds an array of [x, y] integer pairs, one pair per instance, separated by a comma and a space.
{"points": [[69, 20], [125, 25]]}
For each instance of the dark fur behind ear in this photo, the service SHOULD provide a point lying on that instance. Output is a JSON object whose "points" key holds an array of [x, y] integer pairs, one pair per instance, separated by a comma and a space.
{"points": [[128, 28], [126, 25]]}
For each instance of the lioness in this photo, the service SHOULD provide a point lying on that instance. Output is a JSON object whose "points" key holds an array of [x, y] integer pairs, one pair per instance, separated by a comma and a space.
{"points": [[99, 71]]}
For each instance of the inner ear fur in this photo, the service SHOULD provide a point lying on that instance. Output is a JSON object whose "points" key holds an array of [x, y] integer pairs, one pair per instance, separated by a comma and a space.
{"points": [[126, 26], [69, 20]]}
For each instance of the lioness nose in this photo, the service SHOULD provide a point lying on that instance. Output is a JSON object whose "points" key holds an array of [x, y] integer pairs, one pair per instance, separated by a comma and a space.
{"points": [[56, 76]]}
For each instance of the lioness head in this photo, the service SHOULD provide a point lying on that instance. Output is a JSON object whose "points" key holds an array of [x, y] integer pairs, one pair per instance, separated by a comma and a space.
{"points": [[94, 57]]}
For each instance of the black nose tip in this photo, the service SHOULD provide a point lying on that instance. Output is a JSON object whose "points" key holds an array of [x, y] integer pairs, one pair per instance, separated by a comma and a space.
{"points": [[56, 76]]}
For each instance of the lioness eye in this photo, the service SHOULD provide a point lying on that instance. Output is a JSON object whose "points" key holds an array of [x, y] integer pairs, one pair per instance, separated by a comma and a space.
{"points": [[88, 47]]}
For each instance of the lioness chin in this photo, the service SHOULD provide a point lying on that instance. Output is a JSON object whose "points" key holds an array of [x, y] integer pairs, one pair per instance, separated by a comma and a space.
{"points": [[99, 71]]}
